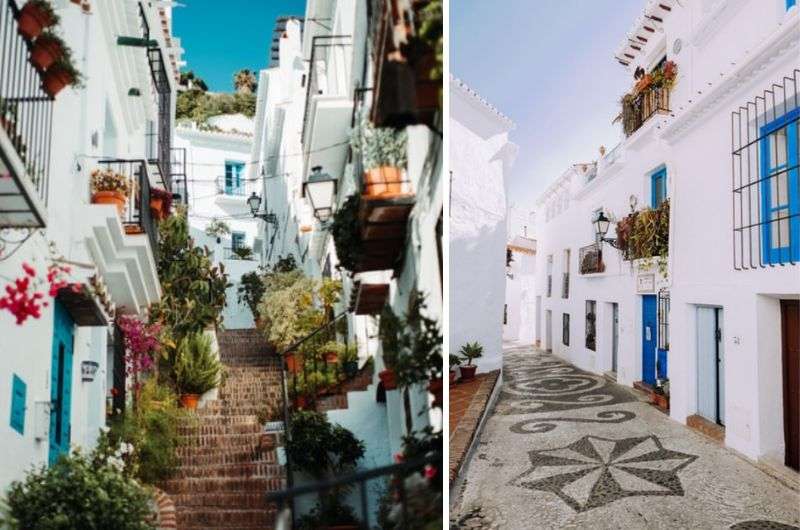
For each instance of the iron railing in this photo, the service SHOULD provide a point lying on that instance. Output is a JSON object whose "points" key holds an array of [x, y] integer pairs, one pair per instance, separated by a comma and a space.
{"points": [[234, 189], [642, 106], [26, 117], [137, 218], [549, 285], [591, 324], [180, 188], [590, 259], [396, 474], [766, 178]]}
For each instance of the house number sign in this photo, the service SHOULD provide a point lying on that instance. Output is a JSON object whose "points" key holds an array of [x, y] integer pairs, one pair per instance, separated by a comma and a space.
{"points": [[646, 283]]}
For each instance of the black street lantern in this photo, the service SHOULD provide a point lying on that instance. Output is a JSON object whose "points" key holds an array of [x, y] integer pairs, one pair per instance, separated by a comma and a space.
{"points": [[601, 225], [254, 202], [320, 188]]}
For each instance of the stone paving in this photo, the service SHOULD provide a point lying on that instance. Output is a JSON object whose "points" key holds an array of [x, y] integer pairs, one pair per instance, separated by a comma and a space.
{"points": [[569, 449]]}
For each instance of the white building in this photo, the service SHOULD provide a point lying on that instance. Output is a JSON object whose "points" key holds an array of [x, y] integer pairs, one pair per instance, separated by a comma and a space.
{"points": [[520, 309], [718, 316], [217, 159], [481, 155], [308, 101], [48, 149]]}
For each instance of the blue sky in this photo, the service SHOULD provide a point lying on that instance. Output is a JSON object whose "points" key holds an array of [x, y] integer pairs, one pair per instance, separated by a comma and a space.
{"points": [[220, 38], [549, 66]]}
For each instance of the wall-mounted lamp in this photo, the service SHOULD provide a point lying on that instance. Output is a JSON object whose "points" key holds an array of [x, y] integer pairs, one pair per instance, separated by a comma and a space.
{"points": [[254, 202], [320, 188]]}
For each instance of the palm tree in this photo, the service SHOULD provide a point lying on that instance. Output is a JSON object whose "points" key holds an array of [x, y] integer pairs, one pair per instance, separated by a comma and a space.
{"points": [[244, 81]]}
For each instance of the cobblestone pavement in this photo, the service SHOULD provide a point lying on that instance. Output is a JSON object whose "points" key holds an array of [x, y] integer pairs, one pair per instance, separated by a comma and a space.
{"points": [[567, 449]]}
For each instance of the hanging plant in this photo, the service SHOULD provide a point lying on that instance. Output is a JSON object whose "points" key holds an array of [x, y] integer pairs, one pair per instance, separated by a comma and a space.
{"points": [[346, 232], [645, 233]]}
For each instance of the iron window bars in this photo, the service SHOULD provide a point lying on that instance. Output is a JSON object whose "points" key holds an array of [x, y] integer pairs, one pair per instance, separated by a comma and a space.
{"points": [[590, 259], [177, 175], [549, 285], [26, 120], [565, 329], [663, 319], [591, 328], [565, 285], [764, 178]]}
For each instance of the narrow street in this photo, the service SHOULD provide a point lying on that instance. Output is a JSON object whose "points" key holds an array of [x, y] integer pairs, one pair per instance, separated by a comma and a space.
{"points": [[564, 448]]}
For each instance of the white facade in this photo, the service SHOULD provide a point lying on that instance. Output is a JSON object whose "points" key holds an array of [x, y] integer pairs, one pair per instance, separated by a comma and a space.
{"points": [[217, 168], [727, 53], [293, 135], [480, 157], [520, 306], [98, 121]]}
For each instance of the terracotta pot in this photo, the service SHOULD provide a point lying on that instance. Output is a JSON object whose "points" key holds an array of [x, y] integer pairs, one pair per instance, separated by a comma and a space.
{"points": [[55, 80], [660, 400], [468, 372], [156, 205], [292, 363], [331, 357], [300, 402], [452, 376], [189, 401], [389, 379], [110, 197], [384, 180], [32, 20], [437, 389], [45, 53]]}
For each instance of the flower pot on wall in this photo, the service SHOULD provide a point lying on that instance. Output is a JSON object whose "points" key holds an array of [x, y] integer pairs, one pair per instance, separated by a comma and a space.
{"points": [[292, 363], [384, 180], [55, 80], [331, 357], [389, 379], [45, 52], [468, 372], [189, 401], [156, 207], [110, 197], [32, 20]]}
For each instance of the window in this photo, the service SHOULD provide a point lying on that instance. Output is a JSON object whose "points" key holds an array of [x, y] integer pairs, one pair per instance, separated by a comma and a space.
{"points": [[790, 4], [505, 314], [19, 392], [237, 240], [663, 320], [565, 278], [780, 198], [591, 329], [565, 329], [234, 182], [549, 275], [658, 187]]}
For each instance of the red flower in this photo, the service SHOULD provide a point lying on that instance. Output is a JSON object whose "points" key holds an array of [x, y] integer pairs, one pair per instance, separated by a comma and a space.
{"points": [[430, 471]]}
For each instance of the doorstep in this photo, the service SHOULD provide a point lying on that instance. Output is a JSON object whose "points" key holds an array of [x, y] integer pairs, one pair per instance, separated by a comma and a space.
{"points": [[610, 376], [708, 428], [659, 401]]}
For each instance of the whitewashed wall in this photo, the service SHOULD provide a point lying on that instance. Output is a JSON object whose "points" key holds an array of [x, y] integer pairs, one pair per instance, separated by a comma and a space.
{"points": [[480, 156]]}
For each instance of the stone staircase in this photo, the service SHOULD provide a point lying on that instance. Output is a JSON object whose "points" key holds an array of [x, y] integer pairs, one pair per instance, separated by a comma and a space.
{"points": [[227, 462]]}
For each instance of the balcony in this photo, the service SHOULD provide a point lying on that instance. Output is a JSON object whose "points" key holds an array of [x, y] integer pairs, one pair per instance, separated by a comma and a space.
{"points": [[384, 222], [230, 188], [590, 259], [638, 108], [368, 298], [26, 117]]}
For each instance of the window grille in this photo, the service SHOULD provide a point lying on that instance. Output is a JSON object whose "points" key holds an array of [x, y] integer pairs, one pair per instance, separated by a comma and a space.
{"points": [[565, 285], [663, 319], [766, 190], [565, 329], [591, 328]]}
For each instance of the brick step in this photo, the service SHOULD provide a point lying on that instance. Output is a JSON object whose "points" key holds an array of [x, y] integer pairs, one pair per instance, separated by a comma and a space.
{"points": [[216, 429], [216, 458], [219, 419], [225, 518], [214, 409], [219, 484], [241, 470], [220, 441], [243, 500]]}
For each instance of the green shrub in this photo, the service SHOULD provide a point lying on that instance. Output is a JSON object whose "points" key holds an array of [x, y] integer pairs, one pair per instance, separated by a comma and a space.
{"points": [[346, 232], [471, 351], [197, 370], [79, 491], [320, 448]]}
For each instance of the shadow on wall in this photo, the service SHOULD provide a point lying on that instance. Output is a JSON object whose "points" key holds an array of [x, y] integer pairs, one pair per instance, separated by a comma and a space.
{"points": [[477, 289]]}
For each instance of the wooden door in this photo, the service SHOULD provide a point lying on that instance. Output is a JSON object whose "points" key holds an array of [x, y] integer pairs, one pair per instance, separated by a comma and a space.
{"points": [[790, 327]]}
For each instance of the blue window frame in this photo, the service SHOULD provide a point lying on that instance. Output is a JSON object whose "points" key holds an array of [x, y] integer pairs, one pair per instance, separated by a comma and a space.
{"points": [[19, 391], [234, 183], [780, 198], [790, 3], [658, 187], [237, 239]]}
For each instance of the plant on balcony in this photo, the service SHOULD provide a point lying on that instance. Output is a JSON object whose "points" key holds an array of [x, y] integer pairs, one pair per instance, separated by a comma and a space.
{"points": [[160, 203], [62, 73], [346, 232], [469, 352], [81, 490], [644, 234], [217, 229], [110, 187], [389, 334], [197, 370], [243, 252], [34, 17], [384, 155], [193, 289], [47, 49], [324, 450], [455, 362]]}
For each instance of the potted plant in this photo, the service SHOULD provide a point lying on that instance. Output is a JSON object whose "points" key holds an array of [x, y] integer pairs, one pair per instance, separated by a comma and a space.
{"points": [[34, 17], [346, 232], [437, 389], [293, 362], [60, 74], [389, 331], [383, 151], [243, 252], [331, 351], [349, 361], [455, 362], [160, 203], [469, 352], [197, 370], [217, 229], [48, 48], [110, 187]]}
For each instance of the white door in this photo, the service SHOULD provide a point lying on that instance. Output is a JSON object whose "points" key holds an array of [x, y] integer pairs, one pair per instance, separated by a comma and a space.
{"points": [[710, 365], [548, 330]]}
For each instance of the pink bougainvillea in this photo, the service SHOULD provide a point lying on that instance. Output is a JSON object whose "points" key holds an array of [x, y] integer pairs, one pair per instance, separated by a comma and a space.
{"points": [[25, 297], [141, 343]]}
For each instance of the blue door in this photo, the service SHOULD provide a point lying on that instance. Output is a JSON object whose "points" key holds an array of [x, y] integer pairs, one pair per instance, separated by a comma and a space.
{"points": [[649, 342], [61, 383]]}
